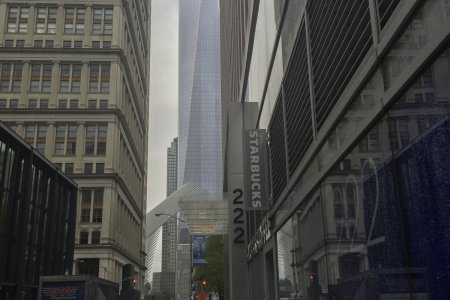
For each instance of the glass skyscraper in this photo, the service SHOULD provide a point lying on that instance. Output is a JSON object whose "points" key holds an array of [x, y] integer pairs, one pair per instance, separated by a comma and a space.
{"points": [[200, 151], [199, 114]]}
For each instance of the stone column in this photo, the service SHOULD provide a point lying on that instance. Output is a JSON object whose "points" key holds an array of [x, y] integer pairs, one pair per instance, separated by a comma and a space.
{"points": [[31, 25], [50, 139], [87, 26], [59, 26], [53, 101], [84, 84], [115, 87], [3, 16], [117, 26], [78, 167], [111, 146], [26, 73], [20, 129]]}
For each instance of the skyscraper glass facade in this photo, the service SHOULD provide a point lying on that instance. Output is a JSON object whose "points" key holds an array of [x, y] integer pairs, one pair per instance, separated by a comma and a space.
{"points": [[355, 98], [200, 154], [199, 119]]}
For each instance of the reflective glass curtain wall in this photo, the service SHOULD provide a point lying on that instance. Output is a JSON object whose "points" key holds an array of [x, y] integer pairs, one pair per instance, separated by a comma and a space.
{"points": [[369, 208], [355, 97], [199, 115], [200, 151], [37, 218]]}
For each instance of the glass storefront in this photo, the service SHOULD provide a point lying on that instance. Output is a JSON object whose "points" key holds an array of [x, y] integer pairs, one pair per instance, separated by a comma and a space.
{"points": [[378, 226]]}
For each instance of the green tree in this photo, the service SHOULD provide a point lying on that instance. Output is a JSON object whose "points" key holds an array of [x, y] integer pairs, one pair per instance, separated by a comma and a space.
{"points": [[212, 272]]}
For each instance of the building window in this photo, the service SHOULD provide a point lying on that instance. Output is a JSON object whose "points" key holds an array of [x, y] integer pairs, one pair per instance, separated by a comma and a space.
{"points": [[46, 20], [2, 103], [66, 139], [10, 78], [106, 44], [69, 168], [73, 103], [9, 43], [352, 232], [351, 201], [91, 198], [98, 206], [86, 206], [67, 44], [96, 44], [95, 239], [74, 20], [43, 103], [99, 78], [338, 205], [49, 43], [88, 168], [38, 43], [341, 232], [14, 103], [96, 139], [17, 19], [41, 76], [62, 103], [70, 78], [102, 21], [88, 266], [103, 104], [20, 43], [78, 44], [92, 103], [84, 237], [371, 142], [398, 133], [36, 136], [32, 103], [100, 168]]}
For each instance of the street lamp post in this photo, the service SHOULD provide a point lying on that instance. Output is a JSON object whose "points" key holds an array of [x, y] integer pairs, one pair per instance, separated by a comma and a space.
{"points": [[175, 217], [171, 216]]}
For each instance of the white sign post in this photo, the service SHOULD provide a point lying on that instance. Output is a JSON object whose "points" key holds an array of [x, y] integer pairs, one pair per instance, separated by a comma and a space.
{"points": [[240, 116]]}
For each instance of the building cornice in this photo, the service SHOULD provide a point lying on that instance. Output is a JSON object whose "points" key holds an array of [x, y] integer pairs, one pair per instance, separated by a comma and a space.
{"points": [[77, 112], [114, 247], [118, 179]]}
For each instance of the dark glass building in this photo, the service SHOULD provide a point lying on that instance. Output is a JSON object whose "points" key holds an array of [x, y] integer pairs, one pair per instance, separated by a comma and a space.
{"points": [[355, 97], [37, 218]]}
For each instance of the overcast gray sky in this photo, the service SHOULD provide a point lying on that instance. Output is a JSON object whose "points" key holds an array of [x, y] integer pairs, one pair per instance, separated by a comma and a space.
{"points": [[163, 95], [163, 106]]}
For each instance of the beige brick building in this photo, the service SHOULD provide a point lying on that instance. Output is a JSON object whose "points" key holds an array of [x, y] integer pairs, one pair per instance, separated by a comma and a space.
{"points": [[74, 82]]}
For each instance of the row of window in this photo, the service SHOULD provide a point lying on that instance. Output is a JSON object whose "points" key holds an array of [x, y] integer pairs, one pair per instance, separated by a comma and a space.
{"points": [[91, 205], [66, 138], [41, 77], [62, 103], [84, 237], [50, 44], [74, 20], [88, 168]]}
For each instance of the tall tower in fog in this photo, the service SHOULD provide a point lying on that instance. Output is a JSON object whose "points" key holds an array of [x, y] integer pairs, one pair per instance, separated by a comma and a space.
{"points": [[200, 151]]}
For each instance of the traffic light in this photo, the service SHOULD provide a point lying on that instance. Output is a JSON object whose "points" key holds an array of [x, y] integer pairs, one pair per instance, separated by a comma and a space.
{"points": [[204, 282], [133, 281], [312, 277]]}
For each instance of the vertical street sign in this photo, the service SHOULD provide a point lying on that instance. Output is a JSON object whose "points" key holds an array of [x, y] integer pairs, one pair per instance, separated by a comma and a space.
{"points": [[240, 116], [255, 169]]}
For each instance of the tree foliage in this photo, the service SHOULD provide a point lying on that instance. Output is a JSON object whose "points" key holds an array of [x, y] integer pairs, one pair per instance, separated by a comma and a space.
{"points": [[213, 271]]}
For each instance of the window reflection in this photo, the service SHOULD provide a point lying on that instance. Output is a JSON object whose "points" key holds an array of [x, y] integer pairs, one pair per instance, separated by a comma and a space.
{"points": [[379, 223]]}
